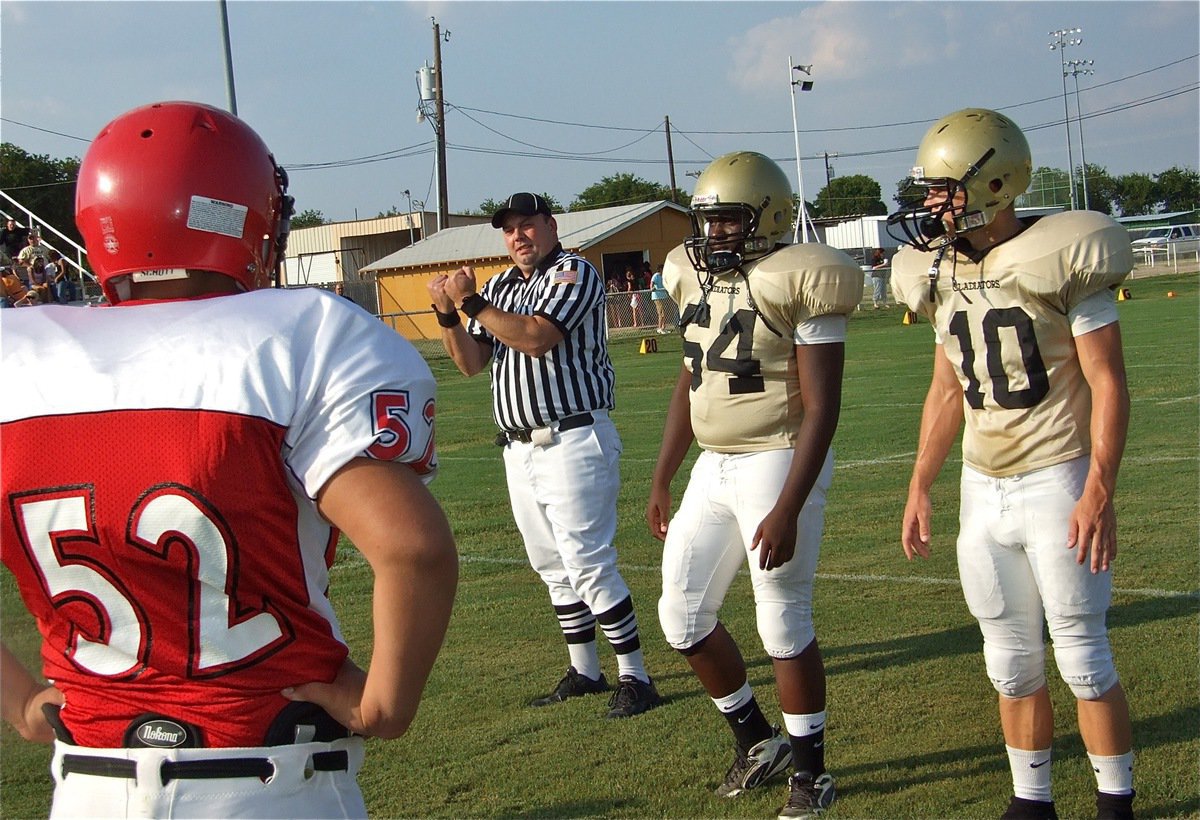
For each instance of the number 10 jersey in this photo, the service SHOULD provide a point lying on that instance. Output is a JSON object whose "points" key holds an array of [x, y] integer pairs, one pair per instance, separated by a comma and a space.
{"points": [[1005, 323]]}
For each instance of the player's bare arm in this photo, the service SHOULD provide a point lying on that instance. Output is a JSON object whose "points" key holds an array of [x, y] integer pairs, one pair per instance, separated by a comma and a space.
{"points": [[1093, 525], [819, 368], [469, 354], [23, 697], [941, 418], [393, 520], [531, 335], [677, 440]]}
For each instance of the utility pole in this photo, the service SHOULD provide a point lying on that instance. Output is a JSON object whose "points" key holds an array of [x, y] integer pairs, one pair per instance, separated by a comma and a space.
{"points": [[440, 113], [671, 162], [828, 171]]}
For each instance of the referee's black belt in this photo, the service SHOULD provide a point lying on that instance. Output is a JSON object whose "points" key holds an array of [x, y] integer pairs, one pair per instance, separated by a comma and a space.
{"points": [[259, 767], [525, 434]]}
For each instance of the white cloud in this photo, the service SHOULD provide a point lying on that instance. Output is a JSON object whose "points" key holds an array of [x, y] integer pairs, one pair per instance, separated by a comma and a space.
{"points": [[845, 42]]}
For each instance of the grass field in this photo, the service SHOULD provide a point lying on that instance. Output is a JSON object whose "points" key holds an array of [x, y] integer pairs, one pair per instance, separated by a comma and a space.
{"points": [[913, 731]]}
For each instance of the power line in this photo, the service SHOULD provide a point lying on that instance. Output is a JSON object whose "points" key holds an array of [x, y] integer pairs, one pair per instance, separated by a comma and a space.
{"points": [[644, 135], [423, 148]]}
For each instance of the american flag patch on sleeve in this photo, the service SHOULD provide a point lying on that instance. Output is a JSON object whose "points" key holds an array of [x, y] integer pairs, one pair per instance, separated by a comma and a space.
{"points": [[565, 276]]}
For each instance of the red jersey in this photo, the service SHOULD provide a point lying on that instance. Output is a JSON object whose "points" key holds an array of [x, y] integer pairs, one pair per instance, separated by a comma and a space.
{"points": [[159, 470]]}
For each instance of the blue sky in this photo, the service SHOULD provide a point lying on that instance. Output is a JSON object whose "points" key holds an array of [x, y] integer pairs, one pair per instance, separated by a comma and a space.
{"points": [[553, 96]]}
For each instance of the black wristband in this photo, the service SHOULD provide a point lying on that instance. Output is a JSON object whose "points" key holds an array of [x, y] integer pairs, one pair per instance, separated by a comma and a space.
{"points": [[473, 304], [447, 319]]}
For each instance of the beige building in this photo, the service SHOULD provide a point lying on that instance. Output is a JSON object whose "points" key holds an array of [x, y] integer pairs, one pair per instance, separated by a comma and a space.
{"points": [[337, 251], [609, 238]]}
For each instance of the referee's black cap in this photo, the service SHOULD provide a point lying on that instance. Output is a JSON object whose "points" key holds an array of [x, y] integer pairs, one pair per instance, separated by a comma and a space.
{"points": [[524, 203]]}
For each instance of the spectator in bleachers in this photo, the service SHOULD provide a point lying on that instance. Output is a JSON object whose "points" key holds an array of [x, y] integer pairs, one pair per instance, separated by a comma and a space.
{"points": [[60, 279], [15, 294], [40, 281], [34, 249], [12, 238]]}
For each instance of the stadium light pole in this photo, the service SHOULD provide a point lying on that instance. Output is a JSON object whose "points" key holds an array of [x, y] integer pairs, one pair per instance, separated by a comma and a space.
{"points": [[1078, 67], [805, 85], [1062, 39], [408, 194], [229, 89]]}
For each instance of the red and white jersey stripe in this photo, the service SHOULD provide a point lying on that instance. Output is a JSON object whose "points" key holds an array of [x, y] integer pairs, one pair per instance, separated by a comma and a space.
{"points": [[158, 470]]}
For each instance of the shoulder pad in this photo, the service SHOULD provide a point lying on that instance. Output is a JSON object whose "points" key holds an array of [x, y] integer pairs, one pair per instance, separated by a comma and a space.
{"points": [[1072, 255], [826, 279], [678, 272], [910, 278]]}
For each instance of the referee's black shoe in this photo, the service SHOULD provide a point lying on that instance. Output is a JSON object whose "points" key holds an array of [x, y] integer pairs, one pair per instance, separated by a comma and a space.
{"points": [[633, 697], [573, 685]]}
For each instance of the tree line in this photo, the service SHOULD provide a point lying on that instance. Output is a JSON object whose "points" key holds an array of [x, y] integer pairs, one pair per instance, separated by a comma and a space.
{"points": [[46, 186]]}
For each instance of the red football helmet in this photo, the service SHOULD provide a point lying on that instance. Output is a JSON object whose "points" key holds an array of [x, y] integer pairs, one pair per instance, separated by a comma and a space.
{"points": [[181, 185]]}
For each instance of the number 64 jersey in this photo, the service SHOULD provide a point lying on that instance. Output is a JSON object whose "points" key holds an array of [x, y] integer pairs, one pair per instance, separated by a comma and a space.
{"points": [[739, 343], [1008, 322], [159, 466]]}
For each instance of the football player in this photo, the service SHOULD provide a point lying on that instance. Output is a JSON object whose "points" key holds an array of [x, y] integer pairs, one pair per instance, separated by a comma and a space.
{"points": [[1028, 350], [210, 441], [764, 327]]}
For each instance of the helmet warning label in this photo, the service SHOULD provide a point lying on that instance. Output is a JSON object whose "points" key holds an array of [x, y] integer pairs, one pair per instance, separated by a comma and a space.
{"points": [[217, 216]]}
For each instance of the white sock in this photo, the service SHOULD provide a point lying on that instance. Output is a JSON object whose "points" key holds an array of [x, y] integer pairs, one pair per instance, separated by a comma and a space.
{"points": [[802, 725], [632, 664], [735, 701], [1030, 773], [1114, 775], [585, 659]]}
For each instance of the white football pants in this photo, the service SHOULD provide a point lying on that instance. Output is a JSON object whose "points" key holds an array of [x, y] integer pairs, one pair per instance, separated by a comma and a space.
{"points": [[564, 500], [294, 791], [1017, 574], [708, 541]]}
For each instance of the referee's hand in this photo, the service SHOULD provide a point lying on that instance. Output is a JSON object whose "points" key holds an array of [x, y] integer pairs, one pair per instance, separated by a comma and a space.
{"points": [[461, 284], [437, 292]]}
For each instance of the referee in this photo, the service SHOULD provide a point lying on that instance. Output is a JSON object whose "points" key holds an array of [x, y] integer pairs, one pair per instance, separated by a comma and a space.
{"points": [[541, 323]]}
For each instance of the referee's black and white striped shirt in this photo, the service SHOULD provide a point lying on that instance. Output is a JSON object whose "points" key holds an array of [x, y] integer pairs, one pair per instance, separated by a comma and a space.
{"points": [[573, 377]]}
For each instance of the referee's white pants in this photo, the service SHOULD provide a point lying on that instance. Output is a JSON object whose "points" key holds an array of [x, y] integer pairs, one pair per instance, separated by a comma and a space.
{"points": [[708, 542], [564, 500], [1019, 577]]}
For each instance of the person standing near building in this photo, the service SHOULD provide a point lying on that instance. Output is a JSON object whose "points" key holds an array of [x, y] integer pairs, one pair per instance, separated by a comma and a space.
{"points": [[174, 545], [541, 323], [1029, 352], [764, 328], [879, 279], [659, 295]]}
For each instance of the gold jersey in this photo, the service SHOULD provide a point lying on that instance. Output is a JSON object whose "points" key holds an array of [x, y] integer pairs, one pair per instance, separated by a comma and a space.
{"points": [[745, 394], [1005, 325]]}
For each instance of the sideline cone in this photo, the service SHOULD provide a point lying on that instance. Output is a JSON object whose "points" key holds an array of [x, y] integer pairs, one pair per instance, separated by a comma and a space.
{"points": [[649, 345]]}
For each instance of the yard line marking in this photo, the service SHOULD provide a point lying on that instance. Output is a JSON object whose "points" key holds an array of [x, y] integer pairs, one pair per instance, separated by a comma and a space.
{"points": [[850, 464], [1179, 400], [353, 557], [1159, 459]]}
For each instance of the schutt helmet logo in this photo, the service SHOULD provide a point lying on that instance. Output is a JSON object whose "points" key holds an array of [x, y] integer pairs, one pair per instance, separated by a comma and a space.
{"points": [[163, 734]]}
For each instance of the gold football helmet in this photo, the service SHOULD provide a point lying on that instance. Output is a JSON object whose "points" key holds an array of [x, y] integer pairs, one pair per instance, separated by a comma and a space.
{"points": [[978, 152], [745, 188]]}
